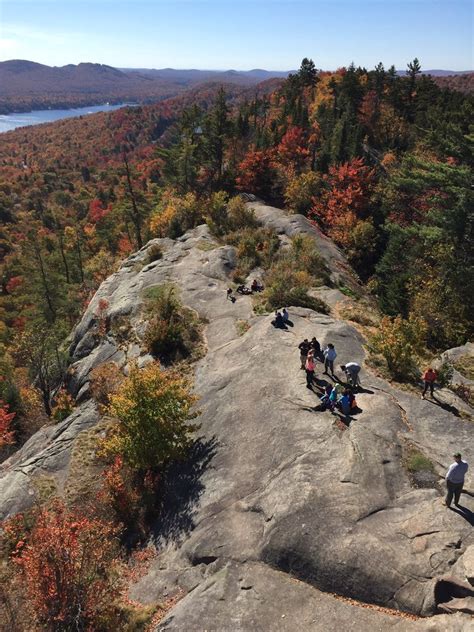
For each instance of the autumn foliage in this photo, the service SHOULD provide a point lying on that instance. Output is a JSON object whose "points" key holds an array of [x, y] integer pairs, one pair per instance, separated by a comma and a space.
{"points": [[7, 435], [153, 410], [68, 568], [344, 200]]}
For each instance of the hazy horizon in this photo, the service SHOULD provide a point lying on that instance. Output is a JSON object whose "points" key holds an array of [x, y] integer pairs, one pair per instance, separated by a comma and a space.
{"points": [[259, 34]]}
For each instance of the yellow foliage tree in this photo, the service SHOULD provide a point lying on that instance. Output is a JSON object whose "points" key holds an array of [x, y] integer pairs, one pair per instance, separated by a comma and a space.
{"points": [[399, 340], [153, 409]]}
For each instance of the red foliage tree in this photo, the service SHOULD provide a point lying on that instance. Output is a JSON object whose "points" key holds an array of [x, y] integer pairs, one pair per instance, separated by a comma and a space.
{"points": [[66, 564], [292, 152], [257, 173], [345, 199], [6, 433], [97, 211]]}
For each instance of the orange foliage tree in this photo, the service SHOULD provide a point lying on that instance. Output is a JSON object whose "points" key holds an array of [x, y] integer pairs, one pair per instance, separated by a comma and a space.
{"points": [[345, 199], [257, 173], [6, 433], [68, 569]]}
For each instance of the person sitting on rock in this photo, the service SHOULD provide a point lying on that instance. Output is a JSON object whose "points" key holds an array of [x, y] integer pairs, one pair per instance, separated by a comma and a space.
{"points": [[278, 321], [329, 357], [242, 289], [310, 366], [325, 398], [285, 314], [429, 378], [256, 287], [304, 348], [345, 402], [333, 396], [352, 370]]}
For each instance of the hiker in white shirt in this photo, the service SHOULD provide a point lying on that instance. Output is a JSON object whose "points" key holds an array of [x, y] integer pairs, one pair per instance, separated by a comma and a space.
{"points": [[352, 369], [329, 357], [455, 479]]}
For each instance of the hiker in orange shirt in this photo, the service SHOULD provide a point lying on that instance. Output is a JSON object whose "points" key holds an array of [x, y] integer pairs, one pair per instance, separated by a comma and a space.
{"points": [[429, 378]]}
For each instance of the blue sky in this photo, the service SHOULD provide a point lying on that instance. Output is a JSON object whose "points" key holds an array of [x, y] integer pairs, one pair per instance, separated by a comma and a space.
{"points": [[271, 34]]}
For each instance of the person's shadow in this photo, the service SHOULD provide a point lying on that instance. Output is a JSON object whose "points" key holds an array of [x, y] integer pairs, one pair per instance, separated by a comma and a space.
{"points": [[466, 513], [447, 407]]}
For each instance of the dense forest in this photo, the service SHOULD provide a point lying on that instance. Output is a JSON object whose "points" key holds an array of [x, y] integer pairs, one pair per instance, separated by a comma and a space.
{"points": [[381, 163]]}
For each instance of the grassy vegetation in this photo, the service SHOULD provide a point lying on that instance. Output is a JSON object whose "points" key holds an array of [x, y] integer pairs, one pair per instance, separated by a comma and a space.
{"points": [[416, 461], [465, 365], [242, 326], [361, 313]]}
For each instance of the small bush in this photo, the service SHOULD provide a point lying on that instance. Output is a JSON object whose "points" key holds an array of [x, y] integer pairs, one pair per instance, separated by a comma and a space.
{"points": [[417, 462], [293, 274], [153, 409], [445, 374], [175, 215], [154, 253], [63, 406], [256, 248], [105, 381], [242, 327], [173, 331], [227, 216], [286, 287]]}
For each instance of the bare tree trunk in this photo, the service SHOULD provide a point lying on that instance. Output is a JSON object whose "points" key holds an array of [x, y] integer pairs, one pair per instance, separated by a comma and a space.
{"points": [[136, 214]]}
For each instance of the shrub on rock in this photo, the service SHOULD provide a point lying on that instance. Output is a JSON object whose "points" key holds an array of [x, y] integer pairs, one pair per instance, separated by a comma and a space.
{"points": [[153, 409]]}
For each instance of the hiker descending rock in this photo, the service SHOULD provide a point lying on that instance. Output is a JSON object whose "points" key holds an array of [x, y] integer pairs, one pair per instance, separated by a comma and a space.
{"points": [[329, 357], [304, 347], [429, 378], [455, 479], [230, 296], [352, 370]]}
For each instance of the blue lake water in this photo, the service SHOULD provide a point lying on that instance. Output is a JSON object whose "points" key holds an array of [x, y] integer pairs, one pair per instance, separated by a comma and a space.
{"points": [[21, 119]]}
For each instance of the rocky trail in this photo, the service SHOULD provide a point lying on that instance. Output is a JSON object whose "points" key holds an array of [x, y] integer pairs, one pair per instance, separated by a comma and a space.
{"points": [[282, 505]]}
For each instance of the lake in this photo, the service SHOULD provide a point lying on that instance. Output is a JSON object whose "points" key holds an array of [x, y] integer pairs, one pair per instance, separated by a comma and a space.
{"points": [[21, 119]]}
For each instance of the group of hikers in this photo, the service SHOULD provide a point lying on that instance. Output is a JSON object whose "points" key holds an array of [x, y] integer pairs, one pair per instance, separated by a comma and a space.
{"points": [[334, 396], [243, 289]]}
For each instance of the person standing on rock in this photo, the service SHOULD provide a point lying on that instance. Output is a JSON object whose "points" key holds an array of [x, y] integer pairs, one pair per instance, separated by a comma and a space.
{"points": [[455, 479], [329, 357], [429, 378], [304, 348], [316, 346], [310, 366]]}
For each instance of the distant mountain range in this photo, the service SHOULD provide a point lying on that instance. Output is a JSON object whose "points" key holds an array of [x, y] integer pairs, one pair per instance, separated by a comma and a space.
{"points": [[26, 85]]}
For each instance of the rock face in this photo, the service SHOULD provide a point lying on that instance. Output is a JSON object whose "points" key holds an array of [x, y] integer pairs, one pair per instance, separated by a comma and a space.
{"points": [[277, 491]]}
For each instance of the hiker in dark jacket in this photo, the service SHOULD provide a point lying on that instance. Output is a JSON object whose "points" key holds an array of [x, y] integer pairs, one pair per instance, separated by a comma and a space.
{"points": [[304, 348]]}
